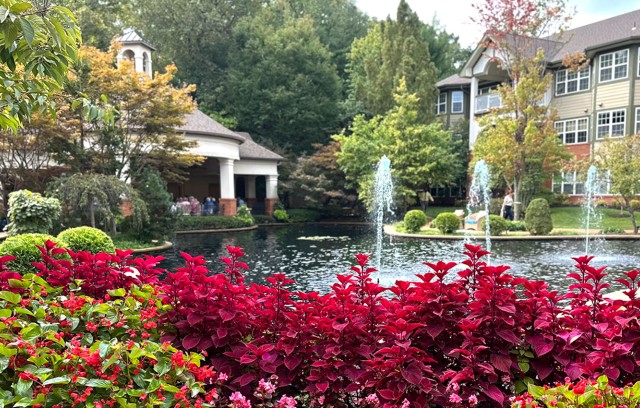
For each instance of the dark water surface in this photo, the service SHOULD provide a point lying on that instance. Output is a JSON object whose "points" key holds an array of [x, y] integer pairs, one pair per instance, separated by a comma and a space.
{"points": [[313, 254]]}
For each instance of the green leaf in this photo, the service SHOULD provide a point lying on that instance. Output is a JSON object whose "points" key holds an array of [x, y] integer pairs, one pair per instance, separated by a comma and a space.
{"points": [[4, 363], [98, 383], [23, 388], [10, 297], [117, 292], [162, 367], [5, 313], [57, 380], [524, 366], [27, 30]]}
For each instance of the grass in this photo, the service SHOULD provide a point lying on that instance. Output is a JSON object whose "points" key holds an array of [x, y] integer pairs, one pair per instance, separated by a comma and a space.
{"points": [[128, 243]]}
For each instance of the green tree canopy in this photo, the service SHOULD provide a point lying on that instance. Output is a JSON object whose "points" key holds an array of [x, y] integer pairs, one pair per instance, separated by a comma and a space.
{"points": [[38, 42], [281, 83], [392, 50], [422, 156]]}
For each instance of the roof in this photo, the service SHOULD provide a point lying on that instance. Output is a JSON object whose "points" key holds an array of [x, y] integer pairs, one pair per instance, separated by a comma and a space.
{"points": [[601, 33], [197, 122], [251, 150], [129, 36], [453, 80]]}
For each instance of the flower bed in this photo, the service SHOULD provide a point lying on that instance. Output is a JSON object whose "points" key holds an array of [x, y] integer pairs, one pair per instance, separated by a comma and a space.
{"points": [[105, 329]]}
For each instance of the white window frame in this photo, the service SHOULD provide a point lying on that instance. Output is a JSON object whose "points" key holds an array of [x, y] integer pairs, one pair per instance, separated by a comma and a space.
{"points": [[638, 71], [637, 128], [575, 126], [441, 106], [569, 179], [565, 77], [610, 123], [614, 64], [455, 102]]}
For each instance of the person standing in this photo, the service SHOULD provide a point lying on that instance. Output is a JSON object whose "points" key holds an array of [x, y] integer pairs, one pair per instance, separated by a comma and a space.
{"points": [[507, 206]]}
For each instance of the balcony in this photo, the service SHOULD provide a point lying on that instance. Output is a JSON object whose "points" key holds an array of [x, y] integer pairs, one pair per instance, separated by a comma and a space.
{"points": [[485, 102]]}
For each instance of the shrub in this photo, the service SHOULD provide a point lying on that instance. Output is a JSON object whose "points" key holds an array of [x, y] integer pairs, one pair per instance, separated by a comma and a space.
{"points": [[538, 217], [554, 199], [414, 220], [447, 222], [188, 223], [460, 203], [25, 248], [281, 215], [603, 203], [31, 213], [497, 224], [86, 239], [304, 215], [612, 230], [244, 214], [634, 204], [263, 219], [516, 226], [495, 206]]}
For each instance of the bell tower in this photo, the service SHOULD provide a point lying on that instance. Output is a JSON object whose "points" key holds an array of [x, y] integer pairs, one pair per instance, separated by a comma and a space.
{"points": [[136, 49]]}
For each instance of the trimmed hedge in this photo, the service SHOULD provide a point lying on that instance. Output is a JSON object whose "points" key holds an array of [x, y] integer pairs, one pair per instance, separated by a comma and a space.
{"points": [[304, 215], [447, 222], [189, 223], [86, 239], [538, 217], [414, 220], [497, 224], [25, 248], [263, 219]]}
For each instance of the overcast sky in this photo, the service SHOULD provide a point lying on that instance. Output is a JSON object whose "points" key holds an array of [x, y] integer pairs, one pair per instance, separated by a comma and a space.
{"points": [[454, 15]]}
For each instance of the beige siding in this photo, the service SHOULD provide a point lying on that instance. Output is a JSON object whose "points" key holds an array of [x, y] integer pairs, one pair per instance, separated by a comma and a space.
{"points": [[637, 93], [456, 118], [571, 106], [615, 95]]}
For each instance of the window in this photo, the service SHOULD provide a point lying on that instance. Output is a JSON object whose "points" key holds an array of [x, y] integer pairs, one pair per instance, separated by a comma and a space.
{"points": [[569, 183], [457, 98], [637, 120], [441, 107], [573, 131], [614, 65], [603, 183], [569, 82], [611, 124]]}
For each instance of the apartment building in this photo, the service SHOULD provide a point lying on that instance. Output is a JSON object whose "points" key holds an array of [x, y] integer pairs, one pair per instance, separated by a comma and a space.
{"points": [[600, 101]]}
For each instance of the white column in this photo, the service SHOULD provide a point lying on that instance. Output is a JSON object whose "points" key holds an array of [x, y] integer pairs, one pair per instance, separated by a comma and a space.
{"points": [[272, 186], [227, 185], [138, 63], [250, 186], [473, 124]]}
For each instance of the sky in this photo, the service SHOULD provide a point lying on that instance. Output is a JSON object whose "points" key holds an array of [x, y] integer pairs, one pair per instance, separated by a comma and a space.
{"points": [[455, 15]]}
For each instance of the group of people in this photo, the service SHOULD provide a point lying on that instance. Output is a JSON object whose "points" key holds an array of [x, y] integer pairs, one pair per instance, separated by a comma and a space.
{"points": [[192, 206]]}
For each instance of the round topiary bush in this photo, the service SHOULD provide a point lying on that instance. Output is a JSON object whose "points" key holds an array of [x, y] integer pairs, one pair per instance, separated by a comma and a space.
{"points": [[538, 217], [281, 215], [497, 224], [25, 248], [86, 239], [414, 220], [447, 222]]}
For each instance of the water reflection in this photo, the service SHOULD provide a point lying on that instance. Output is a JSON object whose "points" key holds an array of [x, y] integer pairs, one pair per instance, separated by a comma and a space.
{"points": [[312, 255]]}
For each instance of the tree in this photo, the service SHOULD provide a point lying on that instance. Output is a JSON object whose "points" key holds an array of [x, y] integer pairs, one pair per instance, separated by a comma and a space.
{"points": [[422, 156], [38, 43], [97, 199], [392, 50], [281, 83], [446, 53], [622, 158], [518, 138], [141, 135]]}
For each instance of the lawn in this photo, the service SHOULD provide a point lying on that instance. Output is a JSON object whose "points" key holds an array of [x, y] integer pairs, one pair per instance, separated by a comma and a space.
{"points": [[569, 217]]}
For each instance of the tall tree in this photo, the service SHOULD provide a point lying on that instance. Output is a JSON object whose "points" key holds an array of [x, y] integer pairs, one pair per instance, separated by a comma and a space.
{"points": [[519, 136], [392, 50], [197, 39], [281, 83], [143, 132], [446, 53], [622, 158], [38, 43], [422, 156]]}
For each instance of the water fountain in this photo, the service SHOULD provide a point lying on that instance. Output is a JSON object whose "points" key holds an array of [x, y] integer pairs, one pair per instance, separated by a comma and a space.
{"points": [[382, 203], [590, 214], [479, 197]]}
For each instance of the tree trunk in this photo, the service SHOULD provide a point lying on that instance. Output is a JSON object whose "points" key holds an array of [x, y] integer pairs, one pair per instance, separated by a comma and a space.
{"points": [[516, 199], [92, 212]]}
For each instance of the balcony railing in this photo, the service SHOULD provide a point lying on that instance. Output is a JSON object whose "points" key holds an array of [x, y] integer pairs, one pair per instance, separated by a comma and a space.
{"points": [[488, 101]]}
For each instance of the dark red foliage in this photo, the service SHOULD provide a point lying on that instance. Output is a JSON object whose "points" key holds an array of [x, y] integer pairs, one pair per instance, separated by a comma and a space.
{"points": [[474, 340]]}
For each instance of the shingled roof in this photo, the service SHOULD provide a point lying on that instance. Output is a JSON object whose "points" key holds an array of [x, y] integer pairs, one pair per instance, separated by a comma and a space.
{"points": [[453, 80], [618, 29], [199, 123], [131, 37], [251, 150]]}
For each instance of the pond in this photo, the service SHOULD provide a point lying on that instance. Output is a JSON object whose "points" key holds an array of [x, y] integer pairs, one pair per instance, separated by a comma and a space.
{"points": [[313, 254]]}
